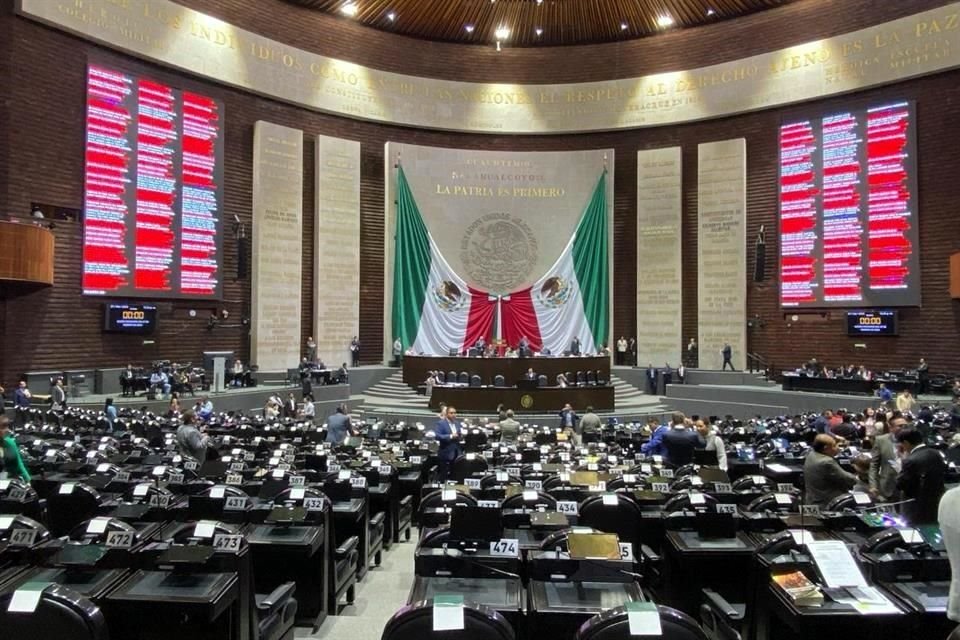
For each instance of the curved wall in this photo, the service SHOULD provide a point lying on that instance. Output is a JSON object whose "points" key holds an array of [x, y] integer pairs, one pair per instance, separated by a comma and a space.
{"points": [[41, 138]]}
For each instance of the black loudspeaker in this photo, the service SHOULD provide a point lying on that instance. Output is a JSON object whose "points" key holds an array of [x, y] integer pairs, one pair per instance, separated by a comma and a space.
{"points": [[760, 266], [243, 247]]}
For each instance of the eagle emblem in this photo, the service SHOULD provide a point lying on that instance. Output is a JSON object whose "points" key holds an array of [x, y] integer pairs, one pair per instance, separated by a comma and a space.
{"points": [[554, 292], [448, 297]]}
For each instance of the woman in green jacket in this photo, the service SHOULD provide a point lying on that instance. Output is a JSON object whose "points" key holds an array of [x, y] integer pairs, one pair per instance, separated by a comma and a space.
{"points": [[12, 463]]}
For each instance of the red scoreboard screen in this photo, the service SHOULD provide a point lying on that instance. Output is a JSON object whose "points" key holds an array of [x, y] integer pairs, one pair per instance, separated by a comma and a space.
{"points": [[153, 189], [848, 210]]}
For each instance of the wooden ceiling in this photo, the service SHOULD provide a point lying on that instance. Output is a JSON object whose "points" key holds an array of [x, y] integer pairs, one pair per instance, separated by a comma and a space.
{"points": [[562, 22]]}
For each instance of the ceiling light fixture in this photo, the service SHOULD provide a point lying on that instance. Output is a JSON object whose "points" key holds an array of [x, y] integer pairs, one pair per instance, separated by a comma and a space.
{"points": [[538, 31], [469, 28], [664, 21], [502, 33], [623, 26], [391, 16], [710, 12], [350, 9]]}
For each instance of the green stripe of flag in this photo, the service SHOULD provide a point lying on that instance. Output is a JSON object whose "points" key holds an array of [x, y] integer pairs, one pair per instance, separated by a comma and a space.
{"points": [[591, 265], [411, 265]]}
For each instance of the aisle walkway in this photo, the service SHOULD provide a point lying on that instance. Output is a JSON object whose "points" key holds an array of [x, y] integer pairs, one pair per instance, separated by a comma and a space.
{"points": [[383, 591]]}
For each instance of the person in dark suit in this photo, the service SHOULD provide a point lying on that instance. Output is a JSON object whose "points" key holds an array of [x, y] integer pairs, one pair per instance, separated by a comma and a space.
{"points": [[355, 351], [921, 479], [575, 346], [523, 348], [884, 463], [448, 432], [822, 475], [727, 352], [530, 374], [290, 406], [651, 379], [923, 377], [338, 426]]}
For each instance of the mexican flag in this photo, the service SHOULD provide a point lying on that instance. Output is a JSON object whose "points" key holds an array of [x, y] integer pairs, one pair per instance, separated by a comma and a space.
{"points": [[572, 298], [433, 308]]}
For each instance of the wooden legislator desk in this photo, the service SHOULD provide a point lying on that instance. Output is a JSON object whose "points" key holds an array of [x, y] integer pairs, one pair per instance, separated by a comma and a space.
{"points": [[522, 400], [415, 368]]}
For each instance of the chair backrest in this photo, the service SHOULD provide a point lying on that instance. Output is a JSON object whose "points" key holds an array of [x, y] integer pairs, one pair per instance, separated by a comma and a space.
{"points": [[464, 378], [475, 381], [499, 381], [434, 500], [614, 624], [581, 377], [624, 519], [848, 501], [781, 502], [67, 510], [466, 466], [601, 378], [591, 377], [541, 380], [517, 501], [416, 621], [441, 377], [681, 502], [451, 377], [60, 613], [560, 539]]}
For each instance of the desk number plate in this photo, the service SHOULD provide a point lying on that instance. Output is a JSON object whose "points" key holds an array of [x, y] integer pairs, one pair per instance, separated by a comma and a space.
{"points": [[506, 547], [569, 508], [23, 537], [626, 551], [225, 542], [119, 540], [235, 503], [234, 479], [313, 504]]}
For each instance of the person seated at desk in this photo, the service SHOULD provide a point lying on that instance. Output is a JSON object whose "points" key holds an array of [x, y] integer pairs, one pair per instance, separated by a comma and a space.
{"points": [[491, 351], [575, 346], [480, 346], [510, 353], [530, 374], [204, 408], [127, 381], [159, 382], [238, 373], [822, 475], [343, 375], [864, 374], [524, 346]]}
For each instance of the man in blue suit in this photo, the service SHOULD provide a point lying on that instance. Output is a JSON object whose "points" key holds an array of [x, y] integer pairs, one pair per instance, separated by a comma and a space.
{"points": [[449, 433]]}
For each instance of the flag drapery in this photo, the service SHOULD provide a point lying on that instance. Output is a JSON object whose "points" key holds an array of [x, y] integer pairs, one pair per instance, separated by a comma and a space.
{"points": [[435, 311]]}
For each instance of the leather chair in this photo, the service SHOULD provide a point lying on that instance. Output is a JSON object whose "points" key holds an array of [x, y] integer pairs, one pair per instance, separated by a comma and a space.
{"points": [[441, 377], [451, 377], [67, 510], [847, 501], [614, 625], [375, 537], [681, 502], [464, 467], [581, 378], [475, 381], [273, 614], [499, 381], [61, 614], [542, 380], [517, 501], [591, 378], [416, 621], [404, 524], [748, 483], [768, 502], [463, 378], [624, 519], [601, 379]]}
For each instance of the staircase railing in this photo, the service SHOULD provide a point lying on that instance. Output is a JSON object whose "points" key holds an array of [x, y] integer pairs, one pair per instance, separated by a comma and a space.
{"points": [[756, 363]]}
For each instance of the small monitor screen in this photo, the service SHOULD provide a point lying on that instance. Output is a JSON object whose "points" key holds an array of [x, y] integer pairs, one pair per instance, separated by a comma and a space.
{"points": [[872, 323], [474, 523], [130, 318]]}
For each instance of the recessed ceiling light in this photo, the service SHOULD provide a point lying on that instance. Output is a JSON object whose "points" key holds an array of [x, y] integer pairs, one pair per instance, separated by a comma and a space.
{"points": [[391, 16], [539, 1], [469, 28], [623, 26], [710, 12], [538, 31], [502, 33], [664, 21], [349, 9]]}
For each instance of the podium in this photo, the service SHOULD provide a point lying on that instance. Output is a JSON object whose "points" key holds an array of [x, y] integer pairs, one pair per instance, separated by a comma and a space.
{"points": [[26, 253]]}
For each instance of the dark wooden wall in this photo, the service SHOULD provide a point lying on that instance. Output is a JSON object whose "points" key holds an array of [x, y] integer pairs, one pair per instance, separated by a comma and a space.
{"points": [[41, 160]]}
